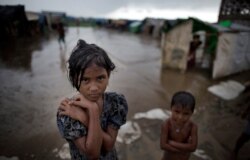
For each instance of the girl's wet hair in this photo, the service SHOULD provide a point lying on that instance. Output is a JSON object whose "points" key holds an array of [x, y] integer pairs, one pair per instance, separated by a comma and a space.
{"points": [[82, 56], [183, 99]]}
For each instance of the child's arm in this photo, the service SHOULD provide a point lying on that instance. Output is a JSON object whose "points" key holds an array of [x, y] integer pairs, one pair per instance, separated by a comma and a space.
{"points": [[75, 112], [164, 139], [90, 144], [109, 138], [192, 142]]}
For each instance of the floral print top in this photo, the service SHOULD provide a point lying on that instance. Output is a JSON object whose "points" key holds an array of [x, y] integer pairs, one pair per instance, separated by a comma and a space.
{"points": [[114, 114]]}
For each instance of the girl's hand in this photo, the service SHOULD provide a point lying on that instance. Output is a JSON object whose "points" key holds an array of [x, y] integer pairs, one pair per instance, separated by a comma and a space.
{"points": [[170, 142], [73, 111], [190, 139], [80, 101]]}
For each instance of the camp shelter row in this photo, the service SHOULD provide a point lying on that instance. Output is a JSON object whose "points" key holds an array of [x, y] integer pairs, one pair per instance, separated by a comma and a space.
{"points": [[149, 26], [225, 47], [16, 22]]}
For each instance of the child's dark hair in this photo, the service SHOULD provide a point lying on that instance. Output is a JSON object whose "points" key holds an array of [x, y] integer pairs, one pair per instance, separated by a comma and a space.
{"points": [[183, 99], [82, 56]]}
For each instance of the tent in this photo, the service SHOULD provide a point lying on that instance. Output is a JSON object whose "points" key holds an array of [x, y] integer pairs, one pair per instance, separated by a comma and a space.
{"points": [[13, 21], [224, 50], [152, 26], [135, 26]]}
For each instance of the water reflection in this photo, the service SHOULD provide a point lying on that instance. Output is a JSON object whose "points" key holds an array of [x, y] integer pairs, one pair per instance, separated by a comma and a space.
{"points": [[63, 60], [18, 53], [194, 81]]}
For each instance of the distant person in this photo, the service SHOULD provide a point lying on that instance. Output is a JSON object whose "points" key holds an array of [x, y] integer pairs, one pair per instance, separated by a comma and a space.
{"points": [[90, 120], [179, 135], [61, 33], [194, 44], [245, 135]]}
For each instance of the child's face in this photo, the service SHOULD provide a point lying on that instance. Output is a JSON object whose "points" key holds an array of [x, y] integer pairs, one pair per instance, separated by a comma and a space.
{"points": [[94, 82], [180, 114]]}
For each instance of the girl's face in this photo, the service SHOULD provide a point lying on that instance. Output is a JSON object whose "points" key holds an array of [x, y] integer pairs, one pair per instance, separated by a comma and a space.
{"points": [[94, 82], [180, 114]]}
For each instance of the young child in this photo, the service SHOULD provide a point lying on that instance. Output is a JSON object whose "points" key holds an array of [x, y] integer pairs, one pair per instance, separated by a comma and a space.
{"points": [[90, 120], [194, 45], [179, 133]]}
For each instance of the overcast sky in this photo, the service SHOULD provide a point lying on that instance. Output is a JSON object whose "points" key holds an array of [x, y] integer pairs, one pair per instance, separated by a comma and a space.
{"points": [[206, 10]]}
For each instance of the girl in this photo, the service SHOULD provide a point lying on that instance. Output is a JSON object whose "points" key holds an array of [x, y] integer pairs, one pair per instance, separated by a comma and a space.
{"points": [[91, 119]]}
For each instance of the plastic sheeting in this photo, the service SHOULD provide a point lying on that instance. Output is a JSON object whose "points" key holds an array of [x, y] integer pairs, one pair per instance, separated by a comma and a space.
{"points": [[153, 114], [64, 152], [176, 46], [227, 90], [131, 131], [200, 153], [233, 54]]}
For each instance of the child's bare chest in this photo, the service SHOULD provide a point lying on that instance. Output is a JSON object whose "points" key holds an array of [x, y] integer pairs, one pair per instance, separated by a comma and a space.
{"points": [[180, 134]]}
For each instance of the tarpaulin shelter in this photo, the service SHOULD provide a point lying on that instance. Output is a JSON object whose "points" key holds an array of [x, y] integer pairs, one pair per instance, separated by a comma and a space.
{"points": [[13, 21], [135, 26], [33, 21], [226, 48], [152, 26], [53, 18], [119, 24], [233, 51]]}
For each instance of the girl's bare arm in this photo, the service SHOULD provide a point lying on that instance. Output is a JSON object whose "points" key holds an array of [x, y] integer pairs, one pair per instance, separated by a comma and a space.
{"points": [[91, 144], [109, 138]]}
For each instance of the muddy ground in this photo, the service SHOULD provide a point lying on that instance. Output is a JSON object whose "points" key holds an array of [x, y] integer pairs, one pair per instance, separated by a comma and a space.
{"points": [[33, 79]]}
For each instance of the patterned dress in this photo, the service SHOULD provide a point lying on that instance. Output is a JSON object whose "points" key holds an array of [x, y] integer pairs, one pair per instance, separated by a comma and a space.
{"points": [[114, 114]]}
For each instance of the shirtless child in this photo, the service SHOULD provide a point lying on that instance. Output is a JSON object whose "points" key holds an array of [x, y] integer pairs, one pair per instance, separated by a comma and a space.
{"points": [[178, 133]]}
